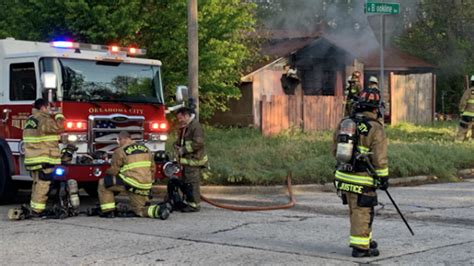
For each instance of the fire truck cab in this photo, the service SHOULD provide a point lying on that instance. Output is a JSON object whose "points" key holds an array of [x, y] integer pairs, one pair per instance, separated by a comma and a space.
{"points": [[101, 90]]}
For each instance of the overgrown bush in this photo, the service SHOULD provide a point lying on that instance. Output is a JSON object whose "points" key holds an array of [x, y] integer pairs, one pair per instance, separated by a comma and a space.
{"points": [[244, 156]]}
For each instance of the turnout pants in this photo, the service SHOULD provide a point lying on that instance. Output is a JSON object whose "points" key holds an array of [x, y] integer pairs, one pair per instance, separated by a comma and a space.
{"points": [[192, 175], [466, 125], [40, 189], [139, 204], [361, 212]]}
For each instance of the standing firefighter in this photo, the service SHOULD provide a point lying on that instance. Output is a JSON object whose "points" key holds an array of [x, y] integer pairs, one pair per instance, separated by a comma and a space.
{"points": [[132, 170], [41, 136], [289, 80], [373, 83], [352, 92], [192, 156], [360, 141], [466, 106]]}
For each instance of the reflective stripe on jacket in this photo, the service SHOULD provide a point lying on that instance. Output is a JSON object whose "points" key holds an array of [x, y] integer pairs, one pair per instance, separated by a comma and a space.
{"points": [[372, 141], [191, 138], [466, 104], [134, 164], [41, 136]]}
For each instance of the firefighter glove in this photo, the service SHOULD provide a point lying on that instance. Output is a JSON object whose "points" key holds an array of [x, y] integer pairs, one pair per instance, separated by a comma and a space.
{"points": [[58, 116], [383, 183], [179, 150]]}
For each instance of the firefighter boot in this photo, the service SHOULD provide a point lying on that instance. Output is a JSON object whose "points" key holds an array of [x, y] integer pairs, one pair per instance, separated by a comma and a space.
{"points": [[161, 210], [359, 253], [373, 244], [109, 214], [174, 197], [24, 212], [17, 214], [164, 210], [191, 205], [123, 211]]}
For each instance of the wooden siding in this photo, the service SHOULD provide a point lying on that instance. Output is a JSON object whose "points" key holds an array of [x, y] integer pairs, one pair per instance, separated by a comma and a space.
{"points": [[322, 112], [282, 112], [412, 98], [265, 82]]}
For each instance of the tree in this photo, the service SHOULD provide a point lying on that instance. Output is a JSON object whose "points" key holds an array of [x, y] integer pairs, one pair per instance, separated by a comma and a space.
{"points": [[443, 35], [226, 46]]}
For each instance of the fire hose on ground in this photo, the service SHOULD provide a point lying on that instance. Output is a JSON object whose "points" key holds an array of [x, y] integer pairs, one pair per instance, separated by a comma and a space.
{"points": [[290, 204]]}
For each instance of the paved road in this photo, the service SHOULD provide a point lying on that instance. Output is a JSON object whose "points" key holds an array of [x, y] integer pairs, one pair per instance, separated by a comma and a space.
{"points": [[314, 232]]}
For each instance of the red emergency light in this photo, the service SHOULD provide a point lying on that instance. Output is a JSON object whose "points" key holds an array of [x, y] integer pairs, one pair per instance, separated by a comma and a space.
{"points": [[77, 125], [113, 49], [158, 126]]}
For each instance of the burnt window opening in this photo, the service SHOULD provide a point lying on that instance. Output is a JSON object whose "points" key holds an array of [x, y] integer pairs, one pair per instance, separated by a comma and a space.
{"points": [[22, 82]]}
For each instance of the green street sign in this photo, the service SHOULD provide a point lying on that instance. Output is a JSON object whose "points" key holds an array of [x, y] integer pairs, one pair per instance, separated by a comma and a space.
{"points": [[382, 8]]}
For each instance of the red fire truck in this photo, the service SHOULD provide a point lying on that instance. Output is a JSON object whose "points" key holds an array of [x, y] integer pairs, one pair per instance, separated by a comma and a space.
{"points": [[101, 90]]}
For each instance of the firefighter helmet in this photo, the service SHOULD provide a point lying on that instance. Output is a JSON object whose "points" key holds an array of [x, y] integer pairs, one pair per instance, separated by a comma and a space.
{"points": [[356, 75], [350, 80], [368, 98], [373, 79]]}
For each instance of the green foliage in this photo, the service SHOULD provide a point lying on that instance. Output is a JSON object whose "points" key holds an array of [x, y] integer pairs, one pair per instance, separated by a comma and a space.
{"points": [[427, 150], [442, 35], [244, 156], [224, 47], [160, 26]]}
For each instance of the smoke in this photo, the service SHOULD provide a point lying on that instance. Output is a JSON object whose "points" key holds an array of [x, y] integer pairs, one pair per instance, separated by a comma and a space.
{"points": [[343, 20]]}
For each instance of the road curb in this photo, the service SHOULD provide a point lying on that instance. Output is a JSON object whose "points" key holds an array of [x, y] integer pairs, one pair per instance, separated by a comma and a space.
{"points": [[466, 173], [297, 189]]}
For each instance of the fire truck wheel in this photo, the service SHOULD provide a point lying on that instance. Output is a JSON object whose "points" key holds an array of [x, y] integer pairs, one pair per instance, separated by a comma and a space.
{"points": [[91, 189], [8, 188]]}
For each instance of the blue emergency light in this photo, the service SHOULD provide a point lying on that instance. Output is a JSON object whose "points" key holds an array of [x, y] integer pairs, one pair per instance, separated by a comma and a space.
{"points": [[64, 44], [112, 49], [59, 171]]}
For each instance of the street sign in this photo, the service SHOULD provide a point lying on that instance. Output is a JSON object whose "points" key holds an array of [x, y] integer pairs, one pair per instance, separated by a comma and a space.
{"points": [[382, 8]]}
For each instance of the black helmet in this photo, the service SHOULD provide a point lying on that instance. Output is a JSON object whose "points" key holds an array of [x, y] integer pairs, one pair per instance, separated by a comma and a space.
{"points": [[368, 98]]}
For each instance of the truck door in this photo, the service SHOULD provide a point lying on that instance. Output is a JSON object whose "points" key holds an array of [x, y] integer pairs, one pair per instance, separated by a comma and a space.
{"points": [[22, 88]]}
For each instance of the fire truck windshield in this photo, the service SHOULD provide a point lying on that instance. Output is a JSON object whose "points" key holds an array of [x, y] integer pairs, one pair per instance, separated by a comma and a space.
{"points": [[89, 80]]}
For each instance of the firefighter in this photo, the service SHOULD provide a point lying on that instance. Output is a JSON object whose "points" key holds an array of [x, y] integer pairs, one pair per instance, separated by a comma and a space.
{"points": [[373, 83], [192, 156], [132, 170], [360, 149], [40, 136], [289, 80], [352, 92], [356, 75], [466, 106]]}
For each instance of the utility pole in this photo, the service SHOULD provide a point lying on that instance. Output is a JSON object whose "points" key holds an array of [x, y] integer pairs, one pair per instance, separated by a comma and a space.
{"points": [[193, 52], [382, 44]]}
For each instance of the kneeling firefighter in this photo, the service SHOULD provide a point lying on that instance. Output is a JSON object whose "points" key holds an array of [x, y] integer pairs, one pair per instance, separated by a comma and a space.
{"points": [[132, 170], [359, 141]]}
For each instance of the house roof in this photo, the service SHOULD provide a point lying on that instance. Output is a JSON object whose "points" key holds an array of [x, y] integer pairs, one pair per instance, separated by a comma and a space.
{"points": [[394, 58], [284, 47], [284, 43]]}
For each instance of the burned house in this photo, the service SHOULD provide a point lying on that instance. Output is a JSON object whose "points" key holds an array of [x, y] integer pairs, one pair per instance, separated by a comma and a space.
{"points": [[312, 97]]}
